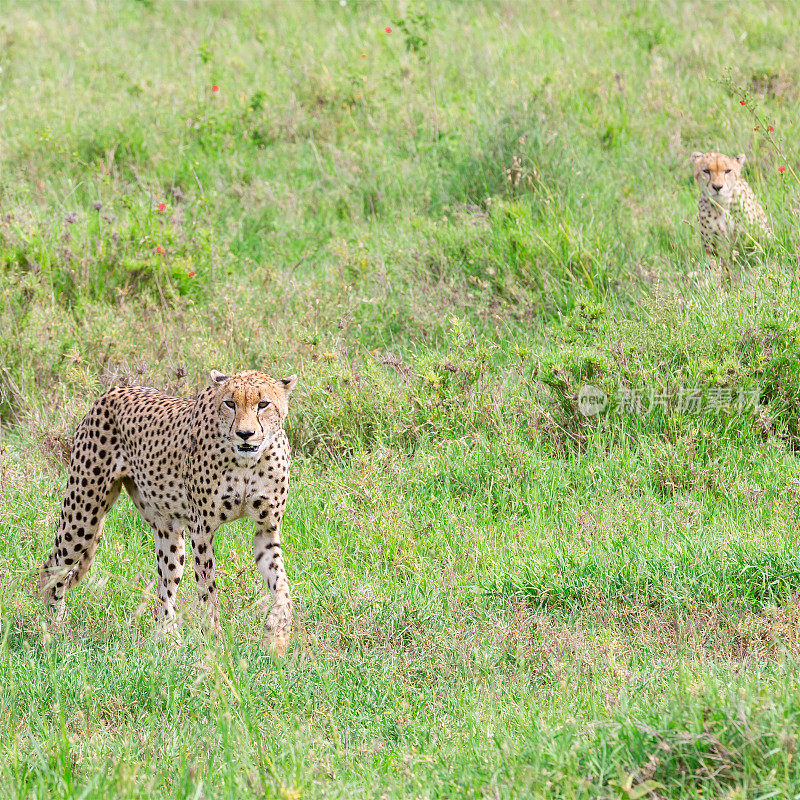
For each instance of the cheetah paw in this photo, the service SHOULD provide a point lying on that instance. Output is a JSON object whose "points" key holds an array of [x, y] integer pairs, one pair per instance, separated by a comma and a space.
{"points": [[276, 635], [169, 633]]}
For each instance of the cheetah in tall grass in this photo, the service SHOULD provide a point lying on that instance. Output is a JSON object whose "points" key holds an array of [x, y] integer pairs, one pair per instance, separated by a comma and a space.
{"points": [[728, 209], [186, 464]]}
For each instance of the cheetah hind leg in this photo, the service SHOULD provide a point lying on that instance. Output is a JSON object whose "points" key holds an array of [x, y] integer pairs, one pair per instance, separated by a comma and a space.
{"points": [[74, 548]]}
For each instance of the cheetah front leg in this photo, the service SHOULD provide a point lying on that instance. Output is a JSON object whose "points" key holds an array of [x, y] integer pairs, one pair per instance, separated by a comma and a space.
{"points": [[269, 558], [717, 261], [710, 245], [202, 535], [170, 560]]}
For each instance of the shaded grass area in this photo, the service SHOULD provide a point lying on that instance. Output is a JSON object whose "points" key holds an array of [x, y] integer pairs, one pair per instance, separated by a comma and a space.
{"points": [[446, 230]]}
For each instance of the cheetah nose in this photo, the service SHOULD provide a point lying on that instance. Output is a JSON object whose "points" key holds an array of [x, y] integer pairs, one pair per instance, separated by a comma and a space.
{"points": [[716, 186], [244, 434]]}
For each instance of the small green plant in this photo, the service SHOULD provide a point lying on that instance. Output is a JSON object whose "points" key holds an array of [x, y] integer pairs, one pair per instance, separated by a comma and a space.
{"points": [[416, 27]]}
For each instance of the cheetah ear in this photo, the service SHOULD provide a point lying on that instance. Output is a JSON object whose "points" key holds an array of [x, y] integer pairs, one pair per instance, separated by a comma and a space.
{"points": [[696, 157], [740, 158], [288, 384], [217, 377]]}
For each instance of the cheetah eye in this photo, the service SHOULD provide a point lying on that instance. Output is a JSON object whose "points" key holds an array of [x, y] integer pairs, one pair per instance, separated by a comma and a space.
{"points": [[707, 171], [727, 171], [263, 404], [230, 403]]}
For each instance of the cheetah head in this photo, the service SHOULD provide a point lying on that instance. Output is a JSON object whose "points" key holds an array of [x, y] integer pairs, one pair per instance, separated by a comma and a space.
{"points": [[717, 174], [251, 409]]}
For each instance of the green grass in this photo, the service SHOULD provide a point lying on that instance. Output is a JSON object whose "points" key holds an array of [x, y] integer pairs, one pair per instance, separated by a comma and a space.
{"points": [[446, 231]]}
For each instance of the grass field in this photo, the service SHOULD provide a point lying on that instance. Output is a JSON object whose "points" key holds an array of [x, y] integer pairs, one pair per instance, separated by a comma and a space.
{"points": [[447, 218]]}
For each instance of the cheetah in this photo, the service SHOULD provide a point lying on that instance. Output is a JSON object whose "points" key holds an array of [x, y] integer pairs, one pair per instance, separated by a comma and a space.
{"points": [[727, 204], [186, 464]]}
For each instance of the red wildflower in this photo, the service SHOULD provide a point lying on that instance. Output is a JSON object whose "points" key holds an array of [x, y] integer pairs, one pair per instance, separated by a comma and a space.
{"points": [[781, 170], [215, 88], [162, 206], [770, 128], [756, 127], [387, 29], [741, 102], [191, 274], [160, 250]]}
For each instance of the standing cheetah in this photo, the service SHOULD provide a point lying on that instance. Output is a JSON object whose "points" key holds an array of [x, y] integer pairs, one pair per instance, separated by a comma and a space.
{"points": [[190, 464], [727, 203]]}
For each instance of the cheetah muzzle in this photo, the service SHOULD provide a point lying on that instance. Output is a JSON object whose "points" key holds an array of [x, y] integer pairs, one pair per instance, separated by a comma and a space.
{"points": [[187, 465]]}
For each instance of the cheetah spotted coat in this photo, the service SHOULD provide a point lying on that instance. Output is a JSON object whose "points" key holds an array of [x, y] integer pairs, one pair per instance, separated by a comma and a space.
{"points": [[727, 209], [187, 465]]}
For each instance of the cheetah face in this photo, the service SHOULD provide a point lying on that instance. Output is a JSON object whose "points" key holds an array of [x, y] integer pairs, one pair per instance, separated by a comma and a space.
{"points": [[251, 408], [717, 174]]}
